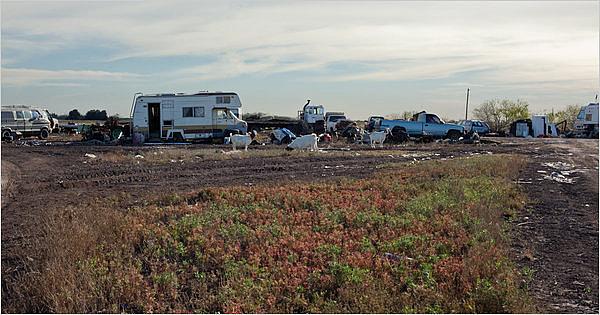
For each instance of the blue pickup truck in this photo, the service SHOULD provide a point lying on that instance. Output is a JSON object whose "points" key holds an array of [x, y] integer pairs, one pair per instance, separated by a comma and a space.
{"points": [[422, 124]]}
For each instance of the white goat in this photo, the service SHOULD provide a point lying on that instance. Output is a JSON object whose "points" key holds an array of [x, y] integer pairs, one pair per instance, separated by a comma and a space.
{"points": [[308, 142], [241, 141], [378, 137]]}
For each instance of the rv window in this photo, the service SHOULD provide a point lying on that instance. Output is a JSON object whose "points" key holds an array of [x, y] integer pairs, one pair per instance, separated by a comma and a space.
{"points": [[167, 123], [223, 99], [19, 114], [8, 116], [198, 111], [188, 112]]}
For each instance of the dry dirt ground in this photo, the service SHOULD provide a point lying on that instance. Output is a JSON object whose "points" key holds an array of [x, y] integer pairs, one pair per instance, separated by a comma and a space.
{"points": [[555, 240]]}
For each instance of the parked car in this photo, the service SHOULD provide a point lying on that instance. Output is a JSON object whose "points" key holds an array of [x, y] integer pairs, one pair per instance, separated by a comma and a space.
{"points": [[478, 126], [423, 124], [23, 120]]}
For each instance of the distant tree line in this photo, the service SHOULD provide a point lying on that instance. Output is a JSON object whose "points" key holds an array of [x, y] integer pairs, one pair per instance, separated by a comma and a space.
{"points": [[94, 114], [499, 114]]}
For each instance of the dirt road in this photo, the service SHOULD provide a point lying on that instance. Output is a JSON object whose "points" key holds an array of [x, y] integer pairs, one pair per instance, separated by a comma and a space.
{"points": [[556, 238]]}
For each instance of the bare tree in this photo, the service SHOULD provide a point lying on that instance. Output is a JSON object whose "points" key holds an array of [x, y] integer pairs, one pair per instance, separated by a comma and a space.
{"points": [[406, 115]]}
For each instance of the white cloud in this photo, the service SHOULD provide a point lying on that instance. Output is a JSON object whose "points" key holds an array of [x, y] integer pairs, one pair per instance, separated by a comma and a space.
{"points": [[20, 76], [536, 46]]}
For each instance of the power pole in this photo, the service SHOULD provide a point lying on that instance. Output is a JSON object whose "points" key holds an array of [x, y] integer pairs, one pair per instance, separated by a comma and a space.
{"points": [[467, 106]]}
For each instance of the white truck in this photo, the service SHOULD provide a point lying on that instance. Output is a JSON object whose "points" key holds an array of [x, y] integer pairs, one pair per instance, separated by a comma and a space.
{"points": [[587, 121], [332, 118], [313, 116], [179, 117]]}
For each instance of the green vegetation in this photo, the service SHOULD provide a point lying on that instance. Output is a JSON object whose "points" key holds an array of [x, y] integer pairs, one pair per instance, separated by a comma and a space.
{"points": [[425, 238]]}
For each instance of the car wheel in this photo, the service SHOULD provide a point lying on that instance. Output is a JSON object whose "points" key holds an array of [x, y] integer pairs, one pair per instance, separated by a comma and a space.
{"points": [[454, 135], [5, 134], [44, 134]]}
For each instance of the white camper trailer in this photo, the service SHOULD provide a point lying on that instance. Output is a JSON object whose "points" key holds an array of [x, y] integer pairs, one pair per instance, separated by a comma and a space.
{"points": [[204, 115]]}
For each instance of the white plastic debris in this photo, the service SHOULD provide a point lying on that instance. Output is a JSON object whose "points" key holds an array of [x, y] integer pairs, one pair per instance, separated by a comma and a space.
{"points": [[562, 166], [558, 177], [139, 156], [89, 155]]}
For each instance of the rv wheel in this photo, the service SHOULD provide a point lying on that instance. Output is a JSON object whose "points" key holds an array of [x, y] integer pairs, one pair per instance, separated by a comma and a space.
{"points": [[5, 134], [177, 137]]}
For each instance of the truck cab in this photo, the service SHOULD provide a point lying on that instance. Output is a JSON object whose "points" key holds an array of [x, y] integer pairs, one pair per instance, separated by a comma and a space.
{"points": [[314, 116]]}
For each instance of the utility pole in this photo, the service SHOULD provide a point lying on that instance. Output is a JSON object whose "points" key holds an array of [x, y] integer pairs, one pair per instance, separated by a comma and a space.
{"points": [[467, 106]]}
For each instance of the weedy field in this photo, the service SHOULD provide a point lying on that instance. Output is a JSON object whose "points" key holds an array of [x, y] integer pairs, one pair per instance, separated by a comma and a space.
{"points": [[421, 238], [416, 228]]}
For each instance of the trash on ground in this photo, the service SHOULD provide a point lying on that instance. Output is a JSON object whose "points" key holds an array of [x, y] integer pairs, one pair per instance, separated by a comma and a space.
{"points": [[558, 177], [90, 155], [562, 166]]}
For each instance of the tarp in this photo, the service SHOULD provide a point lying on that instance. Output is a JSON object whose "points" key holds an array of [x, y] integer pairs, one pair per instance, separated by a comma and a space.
{"points": [[538, 124], [281, 133], [522, 130]]}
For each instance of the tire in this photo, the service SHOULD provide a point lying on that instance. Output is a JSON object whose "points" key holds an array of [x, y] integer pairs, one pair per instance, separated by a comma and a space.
{"points": [[177, 137], [454, 135], [115, 133], [5, 134], [44, 134]]}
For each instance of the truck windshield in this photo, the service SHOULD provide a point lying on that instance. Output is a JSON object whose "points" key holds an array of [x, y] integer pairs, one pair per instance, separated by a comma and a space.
{"points": [[581, 114], [432, 119], [336, 118]]}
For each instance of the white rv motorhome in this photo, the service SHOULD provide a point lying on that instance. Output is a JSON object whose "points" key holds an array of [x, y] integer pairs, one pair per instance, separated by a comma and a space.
{"points": [[204, 115], [587, 119]]}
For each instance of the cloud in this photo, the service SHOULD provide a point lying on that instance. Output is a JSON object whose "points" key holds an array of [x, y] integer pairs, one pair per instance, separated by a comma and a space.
{"points": [[20, 76]]}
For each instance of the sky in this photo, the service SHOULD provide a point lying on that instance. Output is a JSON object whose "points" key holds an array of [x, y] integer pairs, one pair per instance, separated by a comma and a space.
{"points": [[364, 58]]}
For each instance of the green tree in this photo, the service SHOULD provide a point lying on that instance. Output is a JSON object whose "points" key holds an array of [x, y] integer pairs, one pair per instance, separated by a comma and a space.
{"points": [[74, 115], [499, 114], [568, 114]]}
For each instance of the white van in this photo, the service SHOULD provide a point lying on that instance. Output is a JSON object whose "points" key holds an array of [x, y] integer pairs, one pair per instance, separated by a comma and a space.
{"points": [[178, 117], [25, 120]]}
